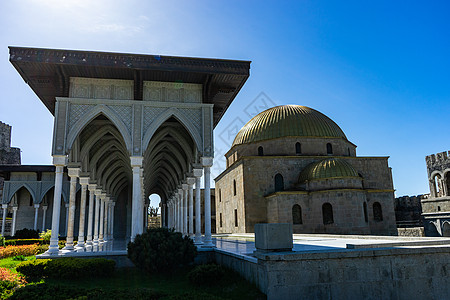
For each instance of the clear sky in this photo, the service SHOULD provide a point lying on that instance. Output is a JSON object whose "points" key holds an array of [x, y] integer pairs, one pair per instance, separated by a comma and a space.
{"points": [[379, 69]]}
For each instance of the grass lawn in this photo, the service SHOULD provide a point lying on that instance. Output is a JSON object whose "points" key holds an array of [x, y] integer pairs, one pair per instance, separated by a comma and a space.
{"points": [[157, 286]]}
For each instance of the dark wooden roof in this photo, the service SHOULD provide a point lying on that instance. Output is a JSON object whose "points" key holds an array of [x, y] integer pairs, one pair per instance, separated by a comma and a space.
{"points": [[48, 72]]}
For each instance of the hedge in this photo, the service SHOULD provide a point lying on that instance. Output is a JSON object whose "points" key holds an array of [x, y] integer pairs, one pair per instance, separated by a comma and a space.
{"points": [[25, 250], [20, 242], [66, 268]]}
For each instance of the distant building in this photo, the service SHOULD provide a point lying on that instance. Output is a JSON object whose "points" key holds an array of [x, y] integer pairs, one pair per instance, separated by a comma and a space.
{"points": [[436, 208], [408, 211], [292, 164]]}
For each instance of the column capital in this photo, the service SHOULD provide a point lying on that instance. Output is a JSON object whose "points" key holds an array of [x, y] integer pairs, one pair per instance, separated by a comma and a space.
{"points": [[37, 205], [92, 186], [207, 161], [190, 180], [60, 160], [74, 171], [84, 180], [44, 207], [197, 172], [4, 206], [184, 186], [180, 191], [136, 161], [15, 208]]}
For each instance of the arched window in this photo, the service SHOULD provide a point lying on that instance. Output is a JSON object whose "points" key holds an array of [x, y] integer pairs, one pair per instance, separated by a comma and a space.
{"points": [[327, 214], [234, 187], [298, 148], [220, 196], [377, 212], [260, 151], [437, 185], [279, 183], [366, 218], [348, 151], [447, 182], [329, 148], [297, 214]]}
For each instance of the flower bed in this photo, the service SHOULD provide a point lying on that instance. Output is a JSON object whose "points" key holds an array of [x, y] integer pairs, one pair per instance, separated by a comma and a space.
{"points": [[25, 250]]}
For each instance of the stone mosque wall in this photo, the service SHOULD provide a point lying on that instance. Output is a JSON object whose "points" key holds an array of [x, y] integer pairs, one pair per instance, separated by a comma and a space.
{"points": [[8, 155]]}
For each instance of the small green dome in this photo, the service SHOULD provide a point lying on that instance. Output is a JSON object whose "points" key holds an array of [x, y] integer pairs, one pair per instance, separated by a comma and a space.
{"points": [[288, 121], [326, 169]]}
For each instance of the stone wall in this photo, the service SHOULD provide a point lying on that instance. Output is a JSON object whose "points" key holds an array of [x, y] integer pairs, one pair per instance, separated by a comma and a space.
{"points": [[8, 154], [395, 273], [408, 211]]}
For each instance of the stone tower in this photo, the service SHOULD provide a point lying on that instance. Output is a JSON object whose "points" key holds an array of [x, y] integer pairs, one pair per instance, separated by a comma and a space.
{"points": [[8, 155]]}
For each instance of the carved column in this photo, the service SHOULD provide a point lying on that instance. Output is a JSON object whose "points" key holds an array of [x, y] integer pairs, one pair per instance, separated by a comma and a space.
{"points": [[102, 217], [44, 216], [74, 173], [36, 215], [98, 193], [185, 207], [111, 226], [180, 209], [207, 163], [14, 219], [198, 214], [5, 211], [137, 205], [190, 182], [91, 188], [84, 181], [59, 162]]}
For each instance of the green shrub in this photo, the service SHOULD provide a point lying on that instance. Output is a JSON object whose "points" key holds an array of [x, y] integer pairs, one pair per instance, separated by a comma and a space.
{"points": [[20, 242], [33, 270], [2, 240], [193, 296], [26, 234], [71, 267], [161, 250], [44, 291], [45, 236], [19, 258], [41, 249], [206, 275], [66, 268]]}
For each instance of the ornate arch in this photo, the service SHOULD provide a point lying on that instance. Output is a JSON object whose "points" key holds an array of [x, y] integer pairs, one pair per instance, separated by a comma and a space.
{"points": [[177, 114], [90, 116], [16, 188]]}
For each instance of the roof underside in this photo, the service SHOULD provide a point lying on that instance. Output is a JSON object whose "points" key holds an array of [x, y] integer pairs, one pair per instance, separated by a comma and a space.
{"points": [[48, 72]]}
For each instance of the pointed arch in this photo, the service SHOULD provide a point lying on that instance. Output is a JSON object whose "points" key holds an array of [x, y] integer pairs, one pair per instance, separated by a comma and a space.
{"points": [[173, 112], [17, 188], [100, 109]]}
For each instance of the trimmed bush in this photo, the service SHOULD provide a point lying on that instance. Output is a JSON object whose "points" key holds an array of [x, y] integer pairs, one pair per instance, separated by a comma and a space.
{"points": [[26, 234], [44, 291], [66, 268], [161, 250], [205, 275], [20, 242], [25, 250], [9, 282], [2, 240], [33, 270], [45, 236]]}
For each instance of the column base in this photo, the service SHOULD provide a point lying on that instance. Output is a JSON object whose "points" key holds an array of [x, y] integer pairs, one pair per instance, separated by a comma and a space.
{"points": [[207, 243], [198, 240], [52, 251]]}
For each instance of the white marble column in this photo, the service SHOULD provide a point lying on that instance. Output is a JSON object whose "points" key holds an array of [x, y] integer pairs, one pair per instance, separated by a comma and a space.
{"points": [[59, 162], [207, 163], [44, 216], [106, 220], [146, 216], [136, 205], [102, 217], [190, 182], [185, 208], [5, 211], [98, 193], [111, 226], [198, 214], [74, 173], [66, 205], [91, 188], [14, 219], [180, 209], [84, 181], [36, 216]]}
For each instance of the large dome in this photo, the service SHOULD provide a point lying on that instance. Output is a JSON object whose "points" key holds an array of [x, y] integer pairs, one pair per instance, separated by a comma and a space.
{"points": [[326, 169], [288, 121]]}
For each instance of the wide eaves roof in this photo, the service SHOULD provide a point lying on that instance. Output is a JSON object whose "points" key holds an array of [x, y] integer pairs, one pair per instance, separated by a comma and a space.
{"points": [[48, 72]]}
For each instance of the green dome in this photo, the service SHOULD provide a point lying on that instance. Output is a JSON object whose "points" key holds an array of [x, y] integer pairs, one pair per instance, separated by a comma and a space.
{"points": [[326, 169], [288, 121]]}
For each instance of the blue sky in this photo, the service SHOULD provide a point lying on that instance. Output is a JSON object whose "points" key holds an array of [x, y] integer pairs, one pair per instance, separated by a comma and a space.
{"points": [[379, 69]]}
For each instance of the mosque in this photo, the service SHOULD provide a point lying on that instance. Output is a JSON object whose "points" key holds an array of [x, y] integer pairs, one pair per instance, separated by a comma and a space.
{"points": [[292, 164]]}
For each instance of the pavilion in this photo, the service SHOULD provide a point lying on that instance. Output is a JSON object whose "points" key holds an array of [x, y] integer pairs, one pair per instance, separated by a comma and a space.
{"points": [[127, 126]]}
